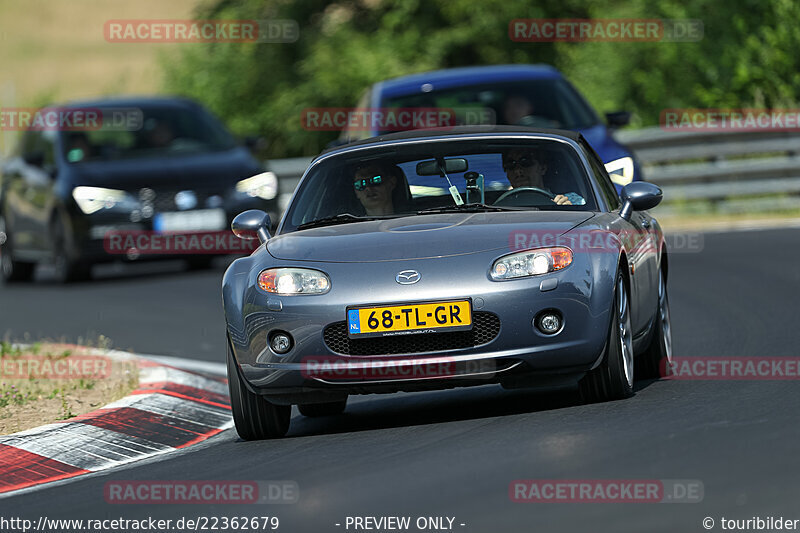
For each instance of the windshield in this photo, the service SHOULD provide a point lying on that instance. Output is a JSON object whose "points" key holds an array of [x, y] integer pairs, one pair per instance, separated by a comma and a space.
{"points": [[160, 131], [549, 103], [408, 179]]}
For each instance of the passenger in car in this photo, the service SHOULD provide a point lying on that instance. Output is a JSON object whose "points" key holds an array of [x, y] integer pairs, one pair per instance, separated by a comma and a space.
{"points": [[524, 169], [518, 110], [374, 186]]}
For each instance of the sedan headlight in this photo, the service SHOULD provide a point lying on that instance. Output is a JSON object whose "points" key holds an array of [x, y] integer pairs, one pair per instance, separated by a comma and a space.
{"points": [[264, 185], [531, 263], [620, 170], [288, 281], [93, 199]]}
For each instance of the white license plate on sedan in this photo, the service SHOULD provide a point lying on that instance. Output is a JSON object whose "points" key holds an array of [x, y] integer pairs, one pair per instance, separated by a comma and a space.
{"points": [[187, 221]]}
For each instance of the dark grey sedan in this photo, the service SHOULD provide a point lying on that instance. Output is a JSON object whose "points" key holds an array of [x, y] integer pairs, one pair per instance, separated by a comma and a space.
{"points": [[146, 178], [431, 260]]}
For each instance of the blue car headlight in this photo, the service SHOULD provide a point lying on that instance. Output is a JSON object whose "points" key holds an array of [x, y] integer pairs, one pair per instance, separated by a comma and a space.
{"points": [[620, 170], [531, 263], [264, 186]]}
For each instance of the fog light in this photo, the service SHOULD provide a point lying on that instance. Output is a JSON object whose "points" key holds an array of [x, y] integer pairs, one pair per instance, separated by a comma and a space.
{"points": [[549, 322], [280, 342]]}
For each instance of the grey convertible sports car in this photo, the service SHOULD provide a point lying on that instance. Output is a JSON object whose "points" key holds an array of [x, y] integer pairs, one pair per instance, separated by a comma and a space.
{"points": [[429, 260]]}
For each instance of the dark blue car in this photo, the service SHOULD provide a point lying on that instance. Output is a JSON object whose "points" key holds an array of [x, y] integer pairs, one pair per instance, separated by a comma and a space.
{"points": [[523, 95]]}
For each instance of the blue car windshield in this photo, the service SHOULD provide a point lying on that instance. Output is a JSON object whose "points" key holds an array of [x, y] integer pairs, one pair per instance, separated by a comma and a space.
{"points": [[543, 103], [406, 179]]}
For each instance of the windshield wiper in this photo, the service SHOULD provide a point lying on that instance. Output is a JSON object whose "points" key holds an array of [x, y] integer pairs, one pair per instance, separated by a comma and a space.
{"points": [[473, 208], [342, 218]]}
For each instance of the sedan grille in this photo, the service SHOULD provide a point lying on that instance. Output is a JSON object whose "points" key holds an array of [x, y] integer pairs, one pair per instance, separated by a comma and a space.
{"points": [[164, 200], [485, 328]]}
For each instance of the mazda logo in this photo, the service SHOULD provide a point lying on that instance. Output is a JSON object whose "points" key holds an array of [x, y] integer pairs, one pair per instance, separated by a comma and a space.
{"points": [[407, 277]]}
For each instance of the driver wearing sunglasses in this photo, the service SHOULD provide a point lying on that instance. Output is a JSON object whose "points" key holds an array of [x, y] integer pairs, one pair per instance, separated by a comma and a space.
{"points": [[524, 170], [373, 186]]}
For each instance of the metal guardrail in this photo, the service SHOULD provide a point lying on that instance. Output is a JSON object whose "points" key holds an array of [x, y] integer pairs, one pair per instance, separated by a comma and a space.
{"points": [[724, 168]]}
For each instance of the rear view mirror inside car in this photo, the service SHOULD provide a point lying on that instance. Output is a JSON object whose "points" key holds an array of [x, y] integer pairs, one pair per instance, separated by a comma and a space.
{"points": [[431, 168]]}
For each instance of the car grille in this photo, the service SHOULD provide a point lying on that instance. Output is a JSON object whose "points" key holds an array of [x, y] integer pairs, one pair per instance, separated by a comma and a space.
{"points": [[485, 328], [164, 200]]}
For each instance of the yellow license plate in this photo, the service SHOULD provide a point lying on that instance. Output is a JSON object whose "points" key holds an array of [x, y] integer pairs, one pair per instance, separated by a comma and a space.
{"points": [[409, 318]]}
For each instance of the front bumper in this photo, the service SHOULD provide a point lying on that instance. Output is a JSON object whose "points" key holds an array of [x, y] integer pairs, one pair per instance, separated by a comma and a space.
{"points": [[93, 235], [314, 370]]}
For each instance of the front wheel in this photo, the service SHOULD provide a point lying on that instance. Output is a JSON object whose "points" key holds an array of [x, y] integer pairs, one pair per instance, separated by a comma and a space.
{"points": [[613, 379], [202, 262], [12, 270], [67, 269], [656, 361], [254, 417]]}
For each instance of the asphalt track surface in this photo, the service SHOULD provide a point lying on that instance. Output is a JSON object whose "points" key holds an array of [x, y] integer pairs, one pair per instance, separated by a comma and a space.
{"points": [[454, 453]]}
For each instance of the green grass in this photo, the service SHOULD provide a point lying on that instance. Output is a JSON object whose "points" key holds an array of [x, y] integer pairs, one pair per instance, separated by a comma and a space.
{"points": [[54, 51]]}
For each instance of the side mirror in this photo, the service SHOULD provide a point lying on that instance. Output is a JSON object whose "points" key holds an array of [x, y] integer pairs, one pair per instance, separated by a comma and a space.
{"points": [[617, 119], [639, 196], [255, 143], [251, 224]]}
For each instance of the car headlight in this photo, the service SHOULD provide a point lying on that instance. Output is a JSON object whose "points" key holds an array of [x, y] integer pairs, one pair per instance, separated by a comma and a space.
{"points": [[93, 199], [531, 263], [620, 170], [264, 185], [288, 281]]}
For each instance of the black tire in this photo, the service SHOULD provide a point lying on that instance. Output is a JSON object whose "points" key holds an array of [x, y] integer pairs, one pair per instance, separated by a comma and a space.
{"points": [[314, 410], [656, 360], [254, 417], [202, 262], [67, 269], [10, 270], [613, 379]]}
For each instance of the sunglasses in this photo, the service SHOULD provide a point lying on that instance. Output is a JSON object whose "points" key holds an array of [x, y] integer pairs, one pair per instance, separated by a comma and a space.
{"points": [[362, 184], [524, 162]]}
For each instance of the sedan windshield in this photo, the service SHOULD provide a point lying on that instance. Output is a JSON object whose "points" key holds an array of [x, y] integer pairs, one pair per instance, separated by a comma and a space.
{"points": [[419, 178], [158, 131], [546, 103]]}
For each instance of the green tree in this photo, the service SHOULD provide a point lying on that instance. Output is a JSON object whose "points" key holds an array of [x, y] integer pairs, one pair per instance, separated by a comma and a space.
{"points": [[746, 57]]}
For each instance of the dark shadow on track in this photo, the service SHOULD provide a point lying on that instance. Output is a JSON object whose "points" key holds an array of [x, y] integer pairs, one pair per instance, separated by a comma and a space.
{"points": [[422, 408]]}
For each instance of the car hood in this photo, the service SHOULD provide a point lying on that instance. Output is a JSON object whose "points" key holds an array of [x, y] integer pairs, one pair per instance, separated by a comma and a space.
{"points": [[204, 171], [419, 237]]}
